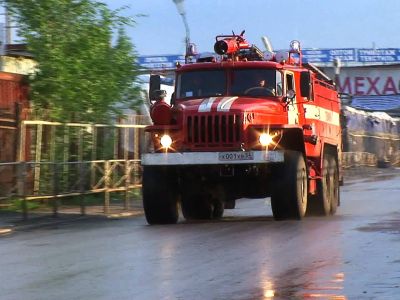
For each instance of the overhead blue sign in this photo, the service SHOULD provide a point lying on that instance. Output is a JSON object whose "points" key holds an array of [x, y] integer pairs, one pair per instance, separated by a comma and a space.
{"points": [[328, 55], [379, 55], [387, 55], [346, 55], [160, 61]]}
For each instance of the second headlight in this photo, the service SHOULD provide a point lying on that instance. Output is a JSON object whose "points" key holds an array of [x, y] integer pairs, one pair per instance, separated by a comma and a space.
{"points": [[265, 139], [166, 141]]}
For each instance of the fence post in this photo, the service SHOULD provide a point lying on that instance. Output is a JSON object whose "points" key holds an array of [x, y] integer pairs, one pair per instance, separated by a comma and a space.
{"points": [[21, 180], [66, 147], [17, 136], [107, 182], [55, 188], [81, 188], [136, 155], [38, 158], [127, 183]]}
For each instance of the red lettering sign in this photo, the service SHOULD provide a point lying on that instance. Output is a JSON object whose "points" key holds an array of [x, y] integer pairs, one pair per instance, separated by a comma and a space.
{"points": [[346, 87], [359, 85], [390, 87], [373, 88]]}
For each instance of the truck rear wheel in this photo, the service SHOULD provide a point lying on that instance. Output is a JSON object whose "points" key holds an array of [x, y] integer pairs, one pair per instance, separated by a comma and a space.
{"points": [[201, 207], [193, 208], [327, 198], [334, 185], [289, 195], [230, 204], [230, 196], [200, 201], [160, 196]]}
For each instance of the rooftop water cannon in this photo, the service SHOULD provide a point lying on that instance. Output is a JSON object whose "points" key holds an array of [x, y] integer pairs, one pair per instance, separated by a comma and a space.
{"points": [[230, 44]]}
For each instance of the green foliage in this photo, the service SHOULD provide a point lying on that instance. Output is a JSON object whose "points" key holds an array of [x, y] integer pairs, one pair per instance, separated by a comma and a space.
{"points": [[18, 204], [86, 63]]}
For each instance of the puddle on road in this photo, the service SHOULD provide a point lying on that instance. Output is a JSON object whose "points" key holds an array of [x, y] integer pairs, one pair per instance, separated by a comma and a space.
{"points": [[353, 176], [299, 283], [380, 178], [314, 287], [387, 226]]}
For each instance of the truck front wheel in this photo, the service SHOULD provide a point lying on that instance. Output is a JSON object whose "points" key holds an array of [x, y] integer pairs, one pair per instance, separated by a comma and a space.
{"points": [[289, 195], [160, 196]]}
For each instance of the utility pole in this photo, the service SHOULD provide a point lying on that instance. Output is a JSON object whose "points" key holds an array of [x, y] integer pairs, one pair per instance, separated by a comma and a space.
{"points": [[337, 64], [182, 12], [8, 26]]}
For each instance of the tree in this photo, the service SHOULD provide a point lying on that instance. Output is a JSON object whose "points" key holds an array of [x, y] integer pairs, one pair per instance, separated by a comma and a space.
{"points": [[86, 63]]}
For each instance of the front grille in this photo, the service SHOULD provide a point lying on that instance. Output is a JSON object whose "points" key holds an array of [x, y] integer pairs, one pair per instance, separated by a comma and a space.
{"points": [[213, 130]]}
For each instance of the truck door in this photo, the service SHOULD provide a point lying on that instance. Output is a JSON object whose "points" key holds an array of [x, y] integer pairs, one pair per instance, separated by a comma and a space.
{"points": [[293, 113]]}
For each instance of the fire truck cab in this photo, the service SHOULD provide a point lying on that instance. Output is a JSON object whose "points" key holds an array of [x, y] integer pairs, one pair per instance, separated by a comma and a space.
{"points": [[245, 123]]}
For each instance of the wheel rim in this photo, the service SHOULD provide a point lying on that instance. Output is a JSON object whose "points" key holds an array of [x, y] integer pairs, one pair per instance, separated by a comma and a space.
{"points": [[303, 191], [334, 187], [302, 187], [328, 191]]}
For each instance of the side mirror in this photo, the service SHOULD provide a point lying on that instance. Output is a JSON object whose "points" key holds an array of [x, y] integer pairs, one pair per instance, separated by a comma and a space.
{"points": [[155, 85], [159, 95], [173, 99], [290, 94], [305, 85]]}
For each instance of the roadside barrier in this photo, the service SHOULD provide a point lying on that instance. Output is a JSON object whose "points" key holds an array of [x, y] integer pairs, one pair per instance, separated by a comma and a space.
{"points": [[66, 179], [356, 159]]}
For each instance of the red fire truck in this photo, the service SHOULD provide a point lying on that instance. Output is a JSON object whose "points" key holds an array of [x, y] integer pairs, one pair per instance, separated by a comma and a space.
{"points": [[243, 123]]}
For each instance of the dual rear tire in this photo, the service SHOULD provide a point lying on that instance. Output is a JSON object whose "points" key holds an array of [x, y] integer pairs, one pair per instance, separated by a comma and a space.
{"points": [[202, 200], [326, 201]]}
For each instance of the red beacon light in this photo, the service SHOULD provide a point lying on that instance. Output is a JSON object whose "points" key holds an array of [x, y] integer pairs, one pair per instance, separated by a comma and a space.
{"points": [[291, 57], [191, 51], [295, 55]]}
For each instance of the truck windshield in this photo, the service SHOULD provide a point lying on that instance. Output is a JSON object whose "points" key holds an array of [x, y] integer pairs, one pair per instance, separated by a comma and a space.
{"points": [[243, 82], [256, 83], [201, 84]]}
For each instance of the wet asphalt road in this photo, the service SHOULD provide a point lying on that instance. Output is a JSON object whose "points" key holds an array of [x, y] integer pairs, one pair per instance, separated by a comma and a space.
{"points": [[247, 255]]}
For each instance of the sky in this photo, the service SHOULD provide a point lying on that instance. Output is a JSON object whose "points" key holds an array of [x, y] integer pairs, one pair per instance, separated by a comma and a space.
{"points": [[315, 23]]}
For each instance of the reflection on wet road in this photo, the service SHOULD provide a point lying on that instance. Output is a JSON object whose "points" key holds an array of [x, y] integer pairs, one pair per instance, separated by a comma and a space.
{"points": [[246, 255]]}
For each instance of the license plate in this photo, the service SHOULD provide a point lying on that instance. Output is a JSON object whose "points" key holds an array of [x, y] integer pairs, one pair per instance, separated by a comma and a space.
{"points": [[235, 156], [274, 156]]}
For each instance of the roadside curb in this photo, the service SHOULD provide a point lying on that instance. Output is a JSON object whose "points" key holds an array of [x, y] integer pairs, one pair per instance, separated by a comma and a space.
{"points": [[37, 222], [15, 223], [366, 173]]}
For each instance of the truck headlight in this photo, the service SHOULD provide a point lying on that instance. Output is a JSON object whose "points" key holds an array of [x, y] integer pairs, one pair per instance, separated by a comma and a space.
{"points": [[166, 141], [265, 139]]}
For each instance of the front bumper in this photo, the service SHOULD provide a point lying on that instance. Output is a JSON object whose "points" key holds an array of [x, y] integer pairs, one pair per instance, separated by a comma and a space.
{"points": [[212, 158]]}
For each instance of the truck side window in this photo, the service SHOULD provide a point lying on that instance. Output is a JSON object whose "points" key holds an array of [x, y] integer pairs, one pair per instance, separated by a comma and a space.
{"points": [[279, 90], [289, 82]]}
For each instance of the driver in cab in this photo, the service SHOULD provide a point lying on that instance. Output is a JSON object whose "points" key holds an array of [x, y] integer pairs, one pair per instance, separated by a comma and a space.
{"points": [[260, 89]]}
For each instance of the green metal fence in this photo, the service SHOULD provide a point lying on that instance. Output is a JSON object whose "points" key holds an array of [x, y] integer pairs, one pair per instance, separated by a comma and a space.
{"points": [[58, 160]]}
